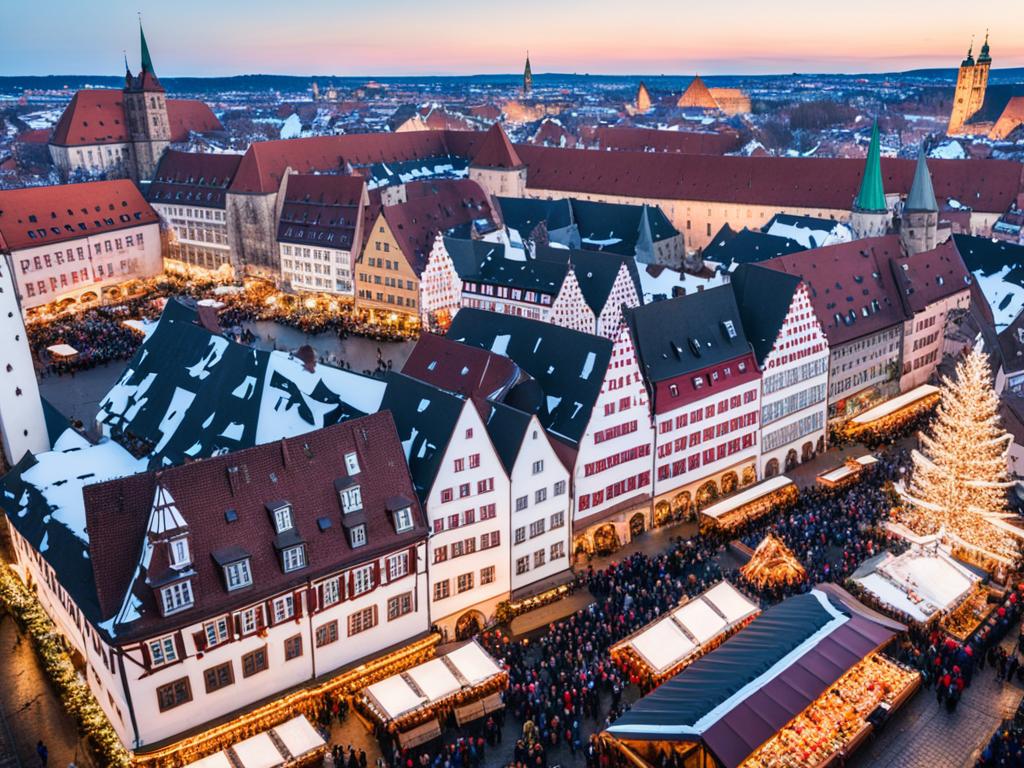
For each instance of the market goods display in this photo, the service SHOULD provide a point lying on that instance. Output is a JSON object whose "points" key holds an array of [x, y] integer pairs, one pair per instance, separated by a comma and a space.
{"points": [[968, 616], [836, 718], [772, 564]]}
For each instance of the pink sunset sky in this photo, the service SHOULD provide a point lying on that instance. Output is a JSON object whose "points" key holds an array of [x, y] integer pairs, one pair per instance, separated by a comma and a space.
{"points": [[420, 37]]}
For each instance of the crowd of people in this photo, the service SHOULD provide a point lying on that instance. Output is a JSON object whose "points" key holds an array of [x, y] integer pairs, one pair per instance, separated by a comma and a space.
{"points": [[1005, 749]]}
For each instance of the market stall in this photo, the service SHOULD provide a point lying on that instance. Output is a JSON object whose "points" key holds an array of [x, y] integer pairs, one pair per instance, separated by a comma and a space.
{"points": [[292, 744], [465, 683], [802, 685], [772, 564], [749, 504], [922, 585], [677, 639], [893, 414], [62, 351], [847, 472]]}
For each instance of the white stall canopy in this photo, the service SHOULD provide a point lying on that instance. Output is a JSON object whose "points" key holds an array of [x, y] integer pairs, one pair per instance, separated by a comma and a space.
{"points": [[297, 736]]}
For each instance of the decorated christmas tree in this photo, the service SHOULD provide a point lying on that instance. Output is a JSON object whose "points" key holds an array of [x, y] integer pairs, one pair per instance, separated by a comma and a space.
{"points": [[960, 478]]}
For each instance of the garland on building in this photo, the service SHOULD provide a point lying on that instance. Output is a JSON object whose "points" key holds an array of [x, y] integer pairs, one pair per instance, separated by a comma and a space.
{"points": [[960, 479], [74, 692]]}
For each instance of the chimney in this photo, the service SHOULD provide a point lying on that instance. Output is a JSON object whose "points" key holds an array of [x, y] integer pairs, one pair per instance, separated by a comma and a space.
{"points": [[284, 452], [233, 480]]}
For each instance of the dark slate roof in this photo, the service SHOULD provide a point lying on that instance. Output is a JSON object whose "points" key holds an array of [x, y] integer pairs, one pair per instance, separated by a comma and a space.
{"points": [[188, 393], [677, 336], [595, 272], [746, 246], [813, 224], [523, 214], [193, 178], [600, 222], [404, 171], [425, 417], [986, 258], [567, 367], [485, 262], [56, 422], [763, 297], [742, 667], [301, 471], [320, 210], [506, 427], [996, 99]]}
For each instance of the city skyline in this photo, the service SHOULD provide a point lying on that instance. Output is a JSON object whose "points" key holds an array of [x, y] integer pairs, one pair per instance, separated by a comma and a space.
{"points": [[455, 38]]}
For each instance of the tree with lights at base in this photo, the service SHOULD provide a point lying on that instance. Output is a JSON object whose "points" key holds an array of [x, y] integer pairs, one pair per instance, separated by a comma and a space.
{"points": [[960, 478]]}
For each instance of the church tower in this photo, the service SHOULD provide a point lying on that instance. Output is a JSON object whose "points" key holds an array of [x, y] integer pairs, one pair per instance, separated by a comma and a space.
{"points": [[971, 83], [643, 98], [145, 109], [919, 222], [22, 424], [527, 76], [870, 216]]}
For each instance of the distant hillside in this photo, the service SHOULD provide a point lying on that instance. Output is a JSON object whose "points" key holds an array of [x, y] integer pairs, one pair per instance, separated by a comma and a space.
{"points": [[293, 84]]}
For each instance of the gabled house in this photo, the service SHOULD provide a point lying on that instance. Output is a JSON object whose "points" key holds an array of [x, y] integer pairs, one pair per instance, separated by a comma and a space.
{"points": [[464, 490], [792, 353], [587, 393], [705, 394], [198, 591]]}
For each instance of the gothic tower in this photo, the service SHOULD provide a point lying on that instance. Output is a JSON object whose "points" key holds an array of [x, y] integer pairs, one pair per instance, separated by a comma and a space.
{"points": [[145, 109], [22, 424], [527, 77], [870, 215], [919, 222], [971, 82], [643, 98]]}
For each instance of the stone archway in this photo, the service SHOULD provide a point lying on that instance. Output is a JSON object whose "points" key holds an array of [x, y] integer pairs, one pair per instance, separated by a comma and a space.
{"points": [[469, 624], [637, 524], [791, 459], [605, 539], [707, 493], [88, 297], [771, 469], [749, 475], [682, 503], [662, 513], [730, 481], [806, 452]]}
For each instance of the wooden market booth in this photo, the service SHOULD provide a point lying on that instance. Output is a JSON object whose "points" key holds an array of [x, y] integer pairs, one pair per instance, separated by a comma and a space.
{"points": [[292, 744], [803, 685], [749, 504], [893, 413], [676, 639], [415, 704], [847, 472]]}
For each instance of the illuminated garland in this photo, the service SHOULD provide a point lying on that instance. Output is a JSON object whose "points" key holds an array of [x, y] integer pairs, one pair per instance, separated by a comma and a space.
{"points": [[74, 692], [507, 610]]}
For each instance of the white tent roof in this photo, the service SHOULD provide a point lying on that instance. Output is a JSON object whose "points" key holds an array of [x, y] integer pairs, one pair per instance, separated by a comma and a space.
{"points": [[216, 760], [435, 679], [730, 602], [662, 644], [473, 663], [62, 350], [893, 405], [700, 620], [845, 470], [746, 496], [258, 751], [299, 736], [395, 696]]}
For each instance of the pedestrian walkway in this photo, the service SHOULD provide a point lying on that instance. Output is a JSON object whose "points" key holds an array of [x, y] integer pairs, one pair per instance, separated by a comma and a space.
{"points": [[923, 733]]}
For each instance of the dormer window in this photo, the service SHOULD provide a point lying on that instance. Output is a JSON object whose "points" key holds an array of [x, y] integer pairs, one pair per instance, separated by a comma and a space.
{"points": [[352, 463], [357, 536], [180, 555], [177, 597], [403, 520], [293, 558], [282, 518], [238, 575], [351, 500], [162, 650]]}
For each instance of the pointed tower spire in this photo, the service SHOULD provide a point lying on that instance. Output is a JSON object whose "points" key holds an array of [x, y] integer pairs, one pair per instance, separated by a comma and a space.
{"points": [[871, 196], [147, 62], [922, 193], [527, 75], [983, 56]]}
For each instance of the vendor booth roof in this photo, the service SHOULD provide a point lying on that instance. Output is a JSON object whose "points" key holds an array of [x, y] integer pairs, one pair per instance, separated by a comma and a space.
{"points": [[736, 697], [753, 493], [890, 407]]}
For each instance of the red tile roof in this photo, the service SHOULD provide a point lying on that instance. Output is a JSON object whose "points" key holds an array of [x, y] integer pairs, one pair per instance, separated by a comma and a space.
{"points": [[301, 471], [96, 116], [816, 183], [321, 210], [34, 216], [193, 178], [853, 281], [652, 140], [434, 207], [36, 136], [933, 275], [460, 368], [496, 151]]}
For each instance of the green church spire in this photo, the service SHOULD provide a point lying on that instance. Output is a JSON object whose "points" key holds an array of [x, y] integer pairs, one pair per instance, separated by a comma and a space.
{"points": [[147, 62], [872, 196]]}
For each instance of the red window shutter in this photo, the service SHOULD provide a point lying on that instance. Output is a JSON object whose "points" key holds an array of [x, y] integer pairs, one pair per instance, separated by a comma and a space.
{"points": [[316, 598], [412, 559], [179, 644], [385, 574], [199, 638], [376, 573], [238, 625], [298, 603], [146, 658], [351, 584], [261, 616], [375, 614]]}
